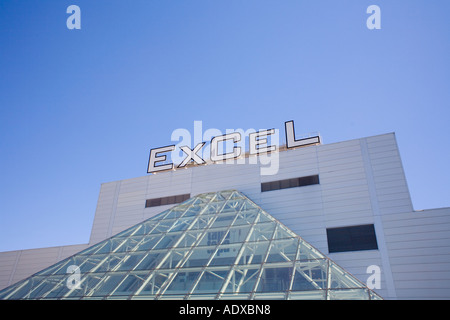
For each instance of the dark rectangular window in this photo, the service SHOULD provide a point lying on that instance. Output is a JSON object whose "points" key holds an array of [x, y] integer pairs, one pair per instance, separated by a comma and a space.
{"points": [[353, 238], [166, 200], [289, 183]]}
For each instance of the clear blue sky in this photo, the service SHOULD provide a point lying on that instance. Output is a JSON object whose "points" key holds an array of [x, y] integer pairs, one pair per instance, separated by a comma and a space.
{"points": [[83, 107]]}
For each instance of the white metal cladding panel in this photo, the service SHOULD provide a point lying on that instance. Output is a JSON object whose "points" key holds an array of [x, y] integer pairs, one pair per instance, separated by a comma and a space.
{"points": [[419, 251], [168, 183], [20, 264], [346, 199], [67, 251], [300, 209], [295, 163], [388, 175], [211, 178], [8, 261], [104, 211], [153, 211], [34, 260]]}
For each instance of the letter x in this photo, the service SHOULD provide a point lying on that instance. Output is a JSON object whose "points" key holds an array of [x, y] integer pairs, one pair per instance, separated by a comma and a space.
{"points": [[192, 155]]}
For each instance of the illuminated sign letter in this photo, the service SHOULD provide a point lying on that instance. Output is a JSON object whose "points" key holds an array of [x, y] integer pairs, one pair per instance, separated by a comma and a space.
{"points": [[192, 154], [235, 136], [290, 137], [258, 146], [155, 157]]}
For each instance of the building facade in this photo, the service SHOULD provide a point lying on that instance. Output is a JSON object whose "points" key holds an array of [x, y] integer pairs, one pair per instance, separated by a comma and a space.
{"points": [[349, 200]]}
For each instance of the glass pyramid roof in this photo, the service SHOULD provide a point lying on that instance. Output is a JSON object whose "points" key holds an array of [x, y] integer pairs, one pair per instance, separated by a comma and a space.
{"points": [[212, 246]]}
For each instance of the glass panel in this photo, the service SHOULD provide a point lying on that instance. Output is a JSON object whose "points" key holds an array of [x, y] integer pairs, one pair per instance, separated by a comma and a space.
{"points": [[181, 224], [274, 279], [235, 296], [189, 238], [163, 226], [255, 257], [154, 283], [238, 234], [59, 267], [254, 252], [42, 286], [282, 250], [192, 211], [374, 296], [129, 285], [308, 295], [342, 279], [175, 212], [199, 257], [310, 275], [107, 285], [223, 221], [215, 237], [246, 217], [145, 228], [17, 291], [147, 243], [348, 294], [242, 280], [182, 282], [202, 222], [60, 289], [94, 248], [150, 261], [211, 281], [129, 261], [269, 296], [87, 284], [172, 259], [225, 255], [307, 252], [167, 241], [264, 217], [105, 262], [262, 232]]}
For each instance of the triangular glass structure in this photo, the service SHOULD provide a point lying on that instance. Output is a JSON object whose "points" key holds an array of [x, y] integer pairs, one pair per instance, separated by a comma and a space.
{"points": [[213, 246]]}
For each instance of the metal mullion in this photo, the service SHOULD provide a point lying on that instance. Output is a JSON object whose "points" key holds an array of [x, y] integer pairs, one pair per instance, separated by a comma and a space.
{"points": [[152, 229], [165, 285], [182, 237], [126, 275], [119, 284], [327, 291], [54, 287], [308, 277], [291, 282], [107, 276], [258, 280], [42, 283], [18, 288], [238, 257], [98, 266]]}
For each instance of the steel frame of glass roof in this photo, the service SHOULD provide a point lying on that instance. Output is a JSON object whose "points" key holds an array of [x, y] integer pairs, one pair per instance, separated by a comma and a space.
{"points": [[213, 246]]}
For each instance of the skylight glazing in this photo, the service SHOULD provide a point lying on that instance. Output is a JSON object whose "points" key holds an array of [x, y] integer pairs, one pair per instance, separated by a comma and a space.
{"points": [[212, 246]]}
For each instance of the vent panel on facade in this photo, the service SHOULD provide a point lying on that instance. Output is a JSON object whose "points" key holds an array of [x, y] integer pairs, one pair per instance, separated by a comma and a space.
{"points": [[289, 183], [354, 238], [166, 200]]}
